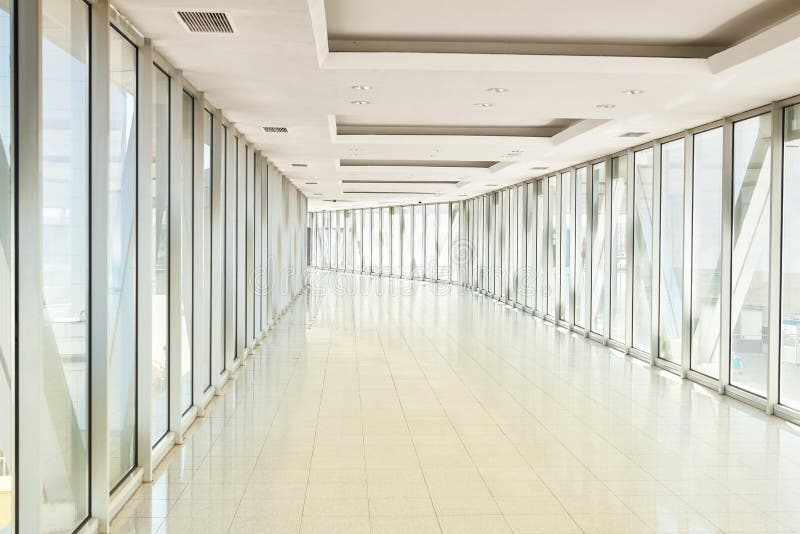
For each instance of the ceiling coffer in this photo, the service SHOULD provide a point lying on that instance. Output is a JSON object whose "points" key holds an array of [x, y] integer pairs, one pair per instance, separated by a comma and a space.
{"points": [[206, 21]]}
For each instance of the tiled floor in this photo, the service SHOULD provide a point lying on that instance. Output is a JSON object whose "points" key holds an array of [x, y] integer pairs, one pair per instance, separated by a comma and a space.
{"points": [[399, 407]]}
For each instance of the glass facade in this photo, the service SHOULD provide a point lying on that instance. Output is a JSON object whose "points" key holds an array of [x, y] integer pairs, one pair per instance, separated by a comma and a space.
{"points": [[789, 394], [65, 264], [642, 249], [619, 248], [671, 275], [599, 255], [122, 181], [7, 272], [706, 273], [187, 145]]}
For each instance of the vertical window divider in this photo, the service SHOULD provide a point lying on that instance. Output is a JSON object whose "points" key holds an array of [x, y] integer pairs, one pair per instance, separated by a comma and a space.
{"points": [[99, 501], [630, 206], [656, 253], [144, 297], [774, 304], [727, 245], [688, 206], [178, 205], [216, 343], [199, 331]]}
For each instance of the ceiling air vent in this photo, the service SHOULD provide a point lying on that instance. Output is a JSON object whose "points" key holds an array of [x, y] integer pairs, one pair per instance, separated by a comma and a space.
{"points": [[634, 134], [206, 21], [275, 129], [299, 164]]}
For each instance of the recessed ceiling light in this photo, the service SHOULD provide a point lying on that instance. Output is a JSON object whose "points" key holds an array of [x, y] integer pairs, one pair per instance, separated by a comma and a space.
{"points": [[362, 87], [483, 105], [497, 90], [606, 106], [360, 102], [633, 92]]}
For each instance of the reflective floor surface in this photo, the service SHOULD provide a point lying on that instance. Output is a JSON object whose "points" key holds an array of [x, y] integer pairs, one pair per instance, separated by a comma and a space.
{"points": [[387, 406]]}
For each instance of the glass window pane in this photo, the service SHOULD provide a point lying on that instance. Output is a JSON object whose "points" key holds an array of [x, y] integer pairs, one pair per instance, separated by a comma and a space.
{"points": [[340, 240], [367, 241], [552, 244], [581, 267], [671, 269], [522, 278], [407, 254], [790, 277], [386, 242], [418, 268], [65, 264], [619, 251], [122, 258], [203, 285], [643, 249], [376, 241], [511, 268], [497, 215], [457, 256], [503, 271], [334, 231], [348, 240], [752, 143], [706, 252], [188, 173], [565, 313], [443, 242], [396, 242], [358, 244], [530, 245], [7, 283], [599, 249], [541, 248], [430, 242]]}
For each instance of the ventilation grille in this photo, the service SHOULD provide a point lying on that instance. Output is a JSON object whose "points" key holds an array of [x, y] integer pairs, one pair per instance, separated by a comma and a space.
{"points": [[275, 129], [299, 165], [634, 134], [206, 21]]}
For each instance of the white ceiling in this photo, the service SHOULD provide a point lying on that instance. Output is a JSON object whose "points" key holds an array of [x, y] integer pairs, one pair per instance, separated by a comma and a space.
{"points": [[287, 66]]}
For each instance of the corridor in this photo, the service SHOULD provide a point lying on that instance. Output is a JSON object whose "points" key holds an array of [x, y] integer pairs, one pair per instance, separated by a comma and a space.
{"points": [[391, 406]]}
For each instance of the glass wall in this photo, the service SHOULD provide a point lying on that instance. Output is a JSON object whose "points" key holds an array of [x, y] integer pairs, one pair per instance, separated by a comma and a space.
{"points": [[366, 240], [581, 260], [7, 273], [599, 250], [334, 237], [789, 394], [443, 242], [457, 259], [513, 244], [340, 239], [565, 311], [203, 284], [522, 278], [643, 249], [670, 322], [122, 257], [407, 253], [430, 241], [187, 133], [541, 248], [376, 241], [348, 240], [552, 244], [530, 245], [396, 241], [752, 143], [619, 247], [418, 262], [386, 242], [706, 252], [65, 264], [358, 240]]}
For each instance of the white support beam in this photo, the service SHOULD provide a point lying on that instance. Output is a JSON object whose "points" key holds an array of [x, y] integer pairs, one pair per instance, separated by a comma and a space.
{"points": [[99, 330], [144, 257]]}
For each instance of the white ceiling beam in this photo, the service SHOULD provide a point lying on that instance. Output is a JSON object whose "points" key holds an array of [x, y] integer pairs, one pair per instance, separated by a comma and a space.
{"points": [[777, 36]]}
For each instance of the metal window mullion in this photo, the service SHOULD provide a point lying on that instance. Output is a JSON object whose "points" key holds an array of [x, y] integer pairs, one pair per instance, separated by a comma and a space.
{"points": [[217, 312], [688, 213], [609, 178], [775, 258], [177, 253], [199, 330], [30, 323], [144, 258], [655, 264], [99, 329], [727, 245]]}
